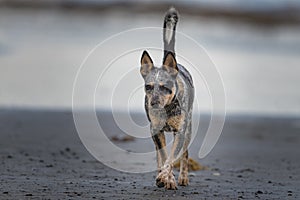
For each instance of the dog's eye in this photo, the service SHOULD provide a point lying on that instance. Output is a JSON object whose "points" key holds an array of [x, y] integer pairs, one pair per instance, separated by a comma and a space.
{"points": [[165, 89], [149, 87]]}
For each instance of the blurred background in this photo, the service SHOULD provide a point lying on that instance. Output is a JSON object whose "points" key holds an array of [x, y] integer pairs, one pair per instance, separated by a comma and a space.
{"points": [[255, 45]]}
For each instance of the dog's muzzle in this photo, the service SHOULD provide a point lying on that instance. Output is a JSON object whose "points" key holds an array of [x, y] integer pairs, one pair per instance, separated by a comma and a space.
{"points": [[155, 102]]}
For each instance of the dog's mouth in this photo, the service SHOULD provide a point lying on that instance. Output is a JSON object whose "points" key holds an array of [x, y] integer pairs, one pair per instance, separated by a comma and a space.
{"points": [[156, 106]]}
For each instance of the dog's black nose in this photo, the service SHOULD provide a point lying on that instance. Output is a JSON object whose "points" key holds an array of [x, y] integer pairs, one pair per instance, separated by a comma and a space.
{"points": [[154, 103], [154, 100]]}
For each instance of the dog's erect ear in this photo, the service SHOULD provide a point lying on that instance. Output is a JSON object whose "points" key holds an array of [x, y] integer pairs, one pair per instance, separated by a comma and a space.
{"points": [[146, 64], [170, 64]]}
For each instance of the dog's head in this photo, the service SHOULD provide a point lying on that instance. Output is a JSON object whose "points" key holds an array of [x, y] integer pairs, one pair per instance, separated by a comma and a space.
{"points": [[160, 83]]}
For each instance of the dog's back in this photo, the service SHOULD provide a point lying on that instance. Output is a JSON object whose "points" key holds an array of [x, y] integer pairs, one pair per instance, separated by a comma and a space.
{"points": [[185, 88]]}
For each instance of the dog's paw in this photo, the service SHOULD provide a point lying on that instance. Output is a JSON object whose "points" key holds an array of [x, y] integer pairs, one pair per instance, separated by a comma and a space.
{"points": [[159, 182], [160, 179], [166, 179], [183, 180], [171, 182]]}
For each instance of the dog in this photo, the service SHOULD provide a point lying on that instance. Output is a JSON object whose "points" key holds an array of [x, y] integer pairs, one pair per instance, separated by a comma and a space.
{"points": [[168, 103]]}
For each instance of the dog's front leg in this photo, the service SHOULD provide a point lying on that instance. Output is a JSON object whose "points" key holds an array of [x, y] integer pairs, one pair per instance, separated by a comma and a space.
{"points": [[159, 140], [166, 175], [160, 144]]}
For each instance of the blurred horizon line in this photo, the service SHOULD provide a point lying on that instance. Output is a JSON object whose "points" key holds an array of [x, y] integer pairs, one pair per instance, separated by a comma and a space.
{"points": [[68, 109], [256, 12]]}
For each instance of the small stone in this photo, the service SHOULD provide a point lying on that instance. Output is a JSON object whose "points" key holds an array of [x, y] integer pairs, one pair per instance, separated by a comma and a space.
{"points": [[216, 174], [192, 174]]}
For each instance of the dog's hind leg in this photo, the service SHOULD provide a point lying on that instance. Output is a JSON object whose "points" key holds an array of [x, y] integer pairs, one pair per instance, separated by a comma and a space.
{"points": [[183, 179]]}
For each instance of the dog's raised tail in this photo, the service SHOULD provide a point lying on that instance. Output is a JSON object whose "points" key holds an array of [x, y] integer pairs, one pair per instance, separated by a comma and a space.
{"points": [[170, 21]]}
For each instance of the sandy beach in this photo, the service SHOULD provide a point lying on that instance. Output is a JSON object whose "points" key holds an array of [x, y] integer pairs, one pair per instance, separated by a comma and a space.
{"points": [[43, 158]]}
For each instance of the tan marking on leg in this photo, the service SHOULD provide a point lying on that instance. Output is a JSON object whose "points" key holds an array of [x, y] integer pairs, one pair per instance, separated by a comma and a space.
{"points": [[176, 121], [183, 179]]}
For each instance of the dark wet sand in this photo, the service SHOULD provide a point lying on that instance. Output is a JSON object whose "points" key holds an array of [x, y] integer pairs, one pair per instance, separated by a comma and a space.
{"points": [[43, 158]]}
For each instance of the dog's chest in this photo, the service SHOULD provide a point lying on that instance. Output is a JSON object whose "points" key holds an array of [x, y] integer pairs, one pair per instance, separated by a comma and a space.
{"points": [[170, 119]]}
